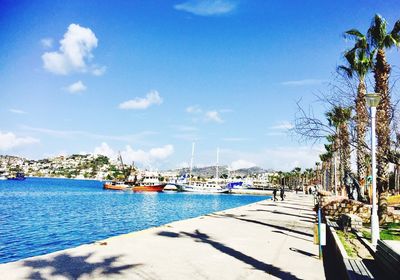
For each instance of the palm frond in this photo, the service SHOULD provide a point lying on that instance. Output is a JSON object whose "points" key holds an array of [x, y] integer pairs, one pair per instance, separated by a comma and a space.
{"points": [[377, 31], [396, 29], [353, 34], [346, 70], [389, 41]]}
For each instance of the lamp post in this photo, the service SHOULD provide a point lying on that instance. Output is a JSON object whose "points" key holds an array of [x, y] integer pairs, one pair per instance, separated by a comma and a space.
{"points": [[373, 101]]}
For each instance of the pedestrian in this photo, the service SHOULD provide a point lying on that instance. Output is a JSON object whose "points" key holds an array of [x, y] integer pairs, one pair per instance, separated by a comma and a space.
{"points": [[282, 194], [274, 193]]}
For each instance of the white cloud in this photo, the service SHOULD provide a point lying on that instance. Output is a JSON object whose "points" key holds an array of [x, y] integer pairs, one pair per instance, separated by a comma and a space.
{"points": [[105, 150], [239, 164], [207, 116], [47, 43], [99, 70], [283, 158], [75, 51], [68, 134], [195, 109], [9, 140], [17, 111], [284, 125], [287, 158], [153, 97], [207, 7], [213, 116], [305, 82], [138, 156], [161, 153], [76, 87]]}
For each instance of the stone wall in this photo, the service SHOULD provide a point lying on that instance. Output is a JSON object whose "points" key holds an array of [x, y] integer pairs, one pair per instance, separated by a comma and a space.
{"points": [[335, 206]]}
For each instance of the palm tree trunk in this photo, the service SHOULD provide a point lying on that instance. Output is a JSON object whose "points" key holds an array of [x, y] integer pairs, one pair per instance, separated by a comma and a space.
{"points": [[361, 128], [383, 116], [345, 143]]}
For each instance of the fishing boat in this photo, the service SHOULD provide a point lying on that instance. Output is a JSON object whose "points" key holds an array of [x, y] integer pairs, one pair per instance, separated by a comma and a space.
{"points": [[116, 186], [149, 182], [19, 176], [138, 182], [146, 188]]}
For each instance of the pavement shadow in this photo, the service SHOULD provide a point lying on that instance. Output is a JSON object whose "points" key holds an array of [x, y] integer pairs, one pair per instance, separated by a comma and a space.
{"points": [[73, 267], [303, 252], [297, 208], [312, 221], [266, 224], [294, 203], [289, 207], [281, 213], [256, 264], [290, 235]]}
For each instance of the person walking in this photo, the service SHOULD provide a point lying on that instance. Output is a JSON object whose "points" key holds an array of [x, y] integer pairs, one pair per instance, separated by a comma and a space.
{"points": [[282, 194], [274, 193]]}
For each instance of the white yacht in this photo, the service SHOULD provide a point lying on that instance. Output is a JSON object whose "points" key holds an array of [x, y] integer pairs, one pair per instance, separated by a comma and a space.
{"points": [[209, 186]]}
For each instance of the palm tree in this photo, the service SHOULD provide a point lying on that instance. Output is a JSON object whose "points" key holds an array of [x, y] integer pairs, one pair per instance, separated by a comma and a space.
{"points": [[339, 118], [326, 159], [381, 40], [317, 164], [296, 173], [309, 175], [359, 63], [326, 166]]}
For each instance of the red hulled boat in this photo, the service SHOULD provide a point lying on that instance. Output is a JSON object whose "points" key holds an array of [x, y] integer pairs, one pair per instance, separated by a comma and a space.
{"points": [[155, 188]]}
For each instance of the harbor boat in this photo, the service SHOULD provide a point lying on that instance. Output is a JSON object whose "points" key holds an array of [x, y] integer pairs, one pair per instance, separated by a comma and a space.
{"points": [[116, 186], [19, 176], [147, 188], [210, 186], [149, 182], [145, 181]]}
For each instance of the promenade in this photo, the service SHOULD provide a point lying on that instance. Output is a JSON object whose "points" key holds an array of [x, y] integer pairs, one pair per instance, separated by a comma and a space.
{"points": [[264, 240]]}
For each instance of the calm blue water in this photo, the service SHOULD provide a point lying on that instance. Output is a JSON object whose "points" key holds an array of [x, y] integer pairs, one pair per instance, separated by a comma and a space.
{"points": [[39, 216]]}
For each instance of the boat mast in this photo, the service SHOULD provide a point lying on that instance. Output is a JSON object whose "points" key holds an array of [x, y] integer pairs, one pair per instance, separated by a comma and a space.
{"points": [[216, 168], [122, 165], [191, 165]]}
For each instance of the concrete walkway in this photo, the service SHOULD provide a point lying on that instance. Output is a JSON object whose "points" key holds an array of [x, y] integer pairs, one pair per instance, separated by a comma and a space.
{"points": [[264, 240]]}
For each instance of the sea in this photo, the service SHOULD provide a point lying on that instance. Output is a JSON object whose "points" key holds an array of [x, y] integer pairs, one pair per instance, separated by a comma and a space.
{"points": [[42, 215]]}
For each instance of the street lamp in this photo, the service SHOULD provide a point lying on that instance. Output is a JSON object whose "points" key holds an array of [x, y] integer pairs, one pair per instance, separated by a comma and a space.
{"points": [[373, 101]]}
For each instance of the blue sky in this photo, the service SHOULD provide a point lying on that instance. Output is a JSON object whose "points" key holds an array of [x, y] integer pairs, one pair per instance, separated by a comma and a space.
{"points": [[148, 78]]}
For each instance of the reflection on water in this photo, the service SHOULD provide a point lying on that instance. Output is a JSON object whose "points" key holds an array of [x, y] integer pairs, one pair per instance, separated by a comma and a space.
{"points": [[39, 216]]}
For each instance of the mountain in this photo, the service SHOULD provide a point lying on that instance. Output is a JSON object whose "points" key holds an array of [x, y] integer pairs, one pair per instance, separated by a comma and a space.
{"points": [[209, 171]]}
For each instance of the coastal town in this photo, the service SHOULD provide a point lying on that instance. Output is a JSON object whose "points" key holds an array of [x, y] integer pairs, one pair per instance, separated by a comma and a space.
{"points": [[102, 168]]}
